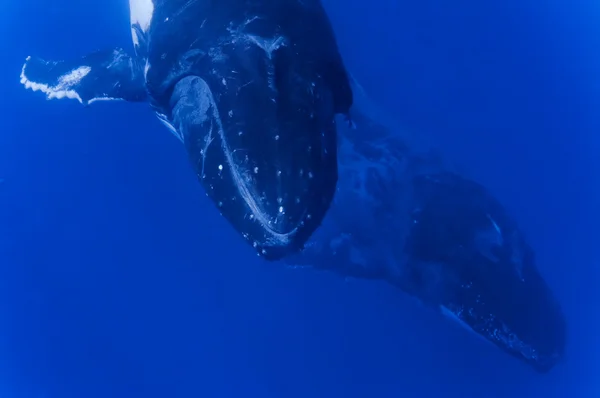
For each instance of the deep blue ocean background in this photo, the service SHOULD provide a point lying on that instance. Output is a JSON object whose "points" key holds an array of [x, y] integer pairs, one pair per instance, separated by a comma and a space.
{"points": [[119, 279]]}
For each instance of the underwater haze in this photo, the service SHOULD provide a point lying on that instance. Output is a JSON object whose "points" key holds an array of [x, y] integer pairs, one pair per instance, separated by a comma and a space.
{"points": [[120, 279]]}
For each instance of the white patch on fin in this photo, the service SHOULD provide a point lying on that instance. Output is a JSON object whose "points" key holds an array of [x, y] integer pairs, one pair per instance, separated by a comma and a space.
{"points": [[64, 87], [140, 12]]}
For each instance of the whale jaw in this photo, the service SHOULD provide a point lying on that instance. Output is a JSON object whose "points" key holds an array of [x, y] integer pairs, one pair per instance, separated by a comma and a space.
{"points": [[274, 195]]}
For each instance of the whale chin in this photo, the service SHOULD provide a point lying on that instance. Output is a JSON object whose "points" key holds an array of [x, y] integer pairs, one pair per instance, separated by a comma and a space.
{"points": [[272, 181]]}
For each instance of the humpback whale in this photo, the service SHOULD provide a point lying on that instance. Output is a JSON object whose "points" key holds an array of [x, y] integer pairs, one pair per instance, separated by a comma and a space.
{"points": [[251, 88], [404, 215]]}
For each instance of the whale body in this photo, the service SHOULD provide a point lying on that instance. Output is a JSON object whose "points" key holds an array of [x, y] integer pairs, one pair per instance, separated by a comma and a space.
{"points": [[404, 215], [249, 87]]}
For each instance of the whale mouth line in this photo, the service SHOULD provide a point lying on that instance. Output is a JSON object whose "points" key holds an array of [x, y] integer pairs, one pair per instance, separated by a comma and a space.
{"points": [[278, 238], [256, 212], [275, 238]]}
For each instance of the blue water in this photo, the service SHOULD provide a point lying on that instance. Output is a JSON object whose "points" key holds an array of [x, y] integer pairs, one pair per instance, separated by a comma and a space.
{"points": [[119, 279]]}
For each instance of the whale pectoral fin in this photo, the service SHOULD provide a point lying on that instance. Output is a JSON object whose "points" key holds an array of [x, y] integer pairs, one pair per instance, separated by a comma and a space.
{"points": [[101, 75]]}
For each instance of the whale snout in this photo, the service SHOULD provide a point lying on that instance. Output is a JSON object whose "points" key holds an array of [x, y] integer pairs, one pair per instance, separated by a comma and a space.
{"points": [[470, 259], [273, 180]]}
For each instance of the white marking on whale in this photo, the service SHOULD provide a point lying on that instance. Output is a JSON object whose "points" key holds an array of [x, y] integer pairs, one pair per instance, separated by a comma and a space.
{"points": [[63, 88], [268, 45], [456, 319], [140, 12], [100, 99], [240, 181], [165, 121], [502, 335]]}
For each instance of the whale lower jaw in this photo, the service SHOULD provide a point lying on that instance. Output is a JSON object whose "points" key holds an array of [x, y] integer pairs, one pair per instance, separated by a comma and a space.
{"points": [[273, 226], [273, 237], [497, 335], [256, 213], [244, 187]]}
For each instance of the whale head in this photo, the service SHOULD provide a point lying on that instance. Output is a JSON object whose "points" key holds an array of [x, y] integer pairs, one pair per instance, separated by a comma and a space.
{"points": [[263, 146], [470, 259]]}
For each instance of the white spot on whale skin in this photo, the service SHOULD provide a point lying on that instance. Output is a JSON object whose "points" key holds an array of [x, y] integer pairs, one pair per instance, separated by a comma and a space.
{"points": [[64, 86]]}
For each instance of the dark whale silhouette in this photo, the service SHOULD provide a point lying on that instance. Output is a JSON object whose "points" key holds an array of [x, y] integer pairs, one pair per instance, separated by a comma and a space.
{"points": [[403, 215], [251, 89]]}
